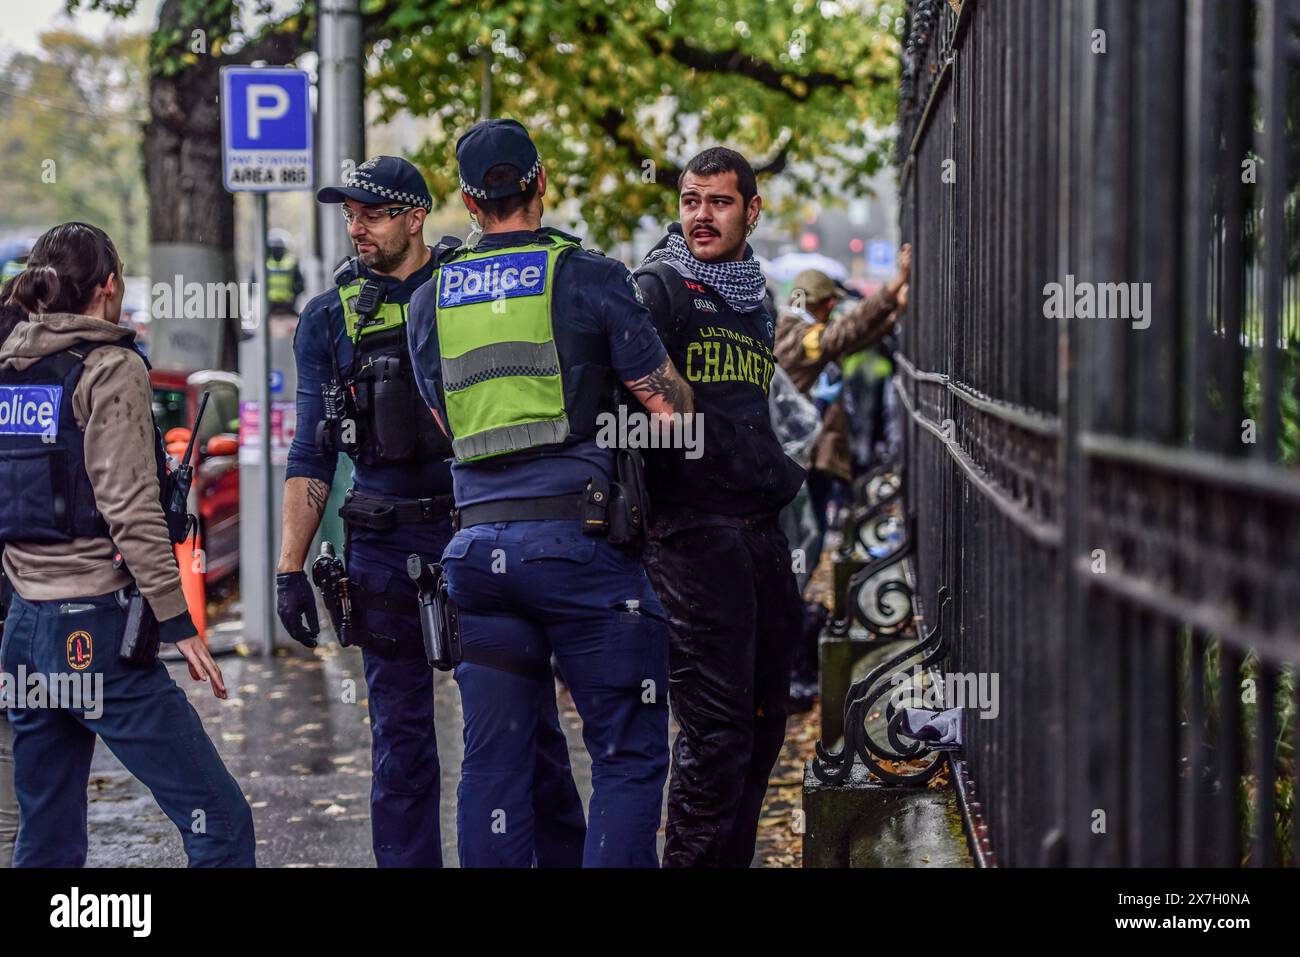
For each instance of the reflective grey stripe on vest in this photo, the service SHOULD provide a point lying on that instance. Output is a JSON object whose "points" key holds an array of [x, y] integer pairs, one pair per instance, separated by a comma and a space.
{"points": [[500, 359], [512, 438]]}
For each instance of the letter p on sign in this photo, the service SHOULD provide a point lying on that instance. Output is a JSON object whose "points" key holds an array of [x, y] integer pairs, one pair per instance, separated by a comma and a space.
{"points": [[266, 101]]}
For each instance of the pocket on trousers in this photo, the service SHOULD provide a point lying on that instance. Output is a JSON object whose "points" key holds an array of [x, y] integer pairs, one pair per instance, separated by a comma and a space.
{"points": [[458, 547], [636, 654], [385, 625], [85, 640]]}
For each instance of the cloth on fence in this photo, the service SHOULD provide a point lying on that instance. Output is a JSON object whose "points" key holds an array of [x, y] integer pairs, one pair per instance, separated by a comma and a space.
{"points": [[942, 730]]}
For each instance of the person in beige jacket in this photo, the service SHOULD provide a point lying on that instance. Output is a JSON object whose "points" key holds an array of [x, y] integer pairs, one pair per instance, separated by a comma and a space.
{"points": [[80, 472], [807, 341], [10, 316]]}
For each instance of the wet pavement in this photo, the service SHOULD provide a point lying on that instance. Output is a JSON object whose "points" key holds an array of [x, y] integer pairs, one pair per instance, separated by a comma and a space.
{"points": [[295, 733]]}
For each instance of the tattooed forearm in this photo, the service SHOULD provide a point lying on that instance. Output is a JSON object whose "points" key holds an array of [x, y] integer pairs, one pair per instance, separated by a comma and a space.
{"points": [[664, 390], [318, 493], [304, 501]]}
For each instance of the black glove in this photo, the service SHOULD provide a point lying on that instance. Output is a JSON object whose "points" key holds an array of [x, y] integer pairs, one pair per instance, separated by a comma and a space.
{"points": [[295, 602]]}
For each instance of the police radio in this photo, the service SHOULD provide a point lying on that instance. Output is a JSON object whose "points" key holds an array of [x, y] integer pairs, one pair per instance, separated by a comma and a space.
{"points": [[331, 432], [176, 487], [141, 635], [339, 403], [369, 298]]}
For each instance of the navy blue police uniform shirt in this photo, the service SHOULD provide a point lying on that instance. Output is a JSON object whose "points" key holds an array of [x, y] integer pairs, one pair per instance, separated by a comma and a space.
{"points": [[592, 293], [322, 320]]}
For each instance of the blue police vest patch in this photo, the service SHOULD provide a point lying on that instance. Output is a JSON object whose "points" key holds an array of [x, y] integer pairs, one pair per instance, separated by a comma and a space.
{"points": [[494, 277], [30, 409]]}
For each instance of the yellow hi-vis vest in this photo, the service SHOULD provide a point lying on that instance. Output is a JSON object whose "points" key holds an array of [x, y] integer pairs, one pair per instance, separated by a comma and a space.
{"points": [[279, 278], [501, 376]]}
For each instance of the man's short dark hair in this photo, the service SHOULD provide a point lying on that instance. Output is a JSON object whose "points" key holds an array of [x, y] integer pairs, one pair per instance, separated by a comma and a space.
{"points": [[506, 206], [719, 159]]}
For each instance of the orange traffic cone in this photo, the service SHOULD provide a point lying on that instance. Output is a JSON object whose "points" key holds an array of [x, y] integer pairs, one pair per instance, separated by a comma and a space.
{"points": [[189, 556]]}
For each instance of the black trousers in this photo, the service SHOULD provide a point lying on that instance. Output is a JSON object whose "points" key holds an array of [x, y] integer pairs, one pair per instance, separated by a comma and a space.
{"points": [[734, 616]]}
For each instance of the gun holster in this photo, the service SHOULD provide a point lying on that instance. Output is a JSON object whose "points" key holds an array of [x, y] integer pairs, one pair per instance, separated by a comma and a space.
{"points": [[439, 620], [330, 576], [629, 504], [141, 634]]}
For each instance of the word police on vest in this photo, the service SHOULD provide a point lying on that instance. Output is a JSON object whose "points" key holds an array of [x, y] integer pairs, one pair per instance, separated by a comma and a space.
{"points": [[103, 910], [496, 277], [30, 409]]}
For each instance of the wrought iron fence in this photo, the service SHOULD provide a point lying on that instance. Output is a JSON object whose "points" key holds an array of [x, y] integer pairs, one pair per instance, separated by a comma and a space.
{"points": [[1098, 372]]}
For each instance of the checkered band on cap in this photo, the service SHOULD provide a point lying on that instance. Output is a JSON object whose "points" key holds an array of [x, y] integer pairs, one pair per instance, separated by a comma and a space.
{"points": [[358, 180], [482, 193]]}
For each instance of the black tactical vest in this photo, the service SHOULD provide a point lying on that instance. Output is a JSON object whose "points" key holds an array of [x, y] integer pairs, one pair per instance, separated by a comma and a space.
{"points": [[45, 491], [393, 424], [726, 356]]}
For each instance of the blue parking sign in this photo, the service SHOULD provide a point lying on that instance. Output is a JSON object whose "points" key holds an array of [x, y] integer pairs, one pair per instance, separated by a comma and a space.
{"points": [[266, 129]]}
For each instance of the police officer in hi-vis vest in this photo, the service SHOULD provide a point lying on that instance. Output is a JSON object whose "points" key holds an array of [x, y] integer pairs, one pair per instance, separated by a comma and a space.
{"points": [[284, 282], [356, 395], [520, 343], [88, 552]]}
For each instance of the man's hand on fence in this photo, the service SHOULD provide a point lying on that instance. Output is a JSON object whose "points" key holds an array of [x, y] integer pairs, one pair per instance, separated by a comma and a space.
{"points": [[904, 271]]}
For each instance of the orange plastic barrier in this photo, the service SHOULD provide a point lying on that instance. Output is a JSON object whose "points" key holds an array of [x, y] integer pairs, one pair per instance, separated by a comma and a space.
{"points": [[196, 595]]}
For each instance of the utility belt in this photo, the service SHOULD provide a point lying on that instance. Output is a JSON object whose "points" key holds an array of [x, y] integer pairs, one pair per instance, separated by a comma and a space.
{"points": [[376, 513], [618, 511]]}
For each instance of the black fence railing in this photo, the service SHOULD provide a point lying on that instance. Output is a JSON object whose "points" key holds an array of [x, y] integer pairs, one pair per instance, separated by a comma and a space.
{"points": [[1098, 377]]}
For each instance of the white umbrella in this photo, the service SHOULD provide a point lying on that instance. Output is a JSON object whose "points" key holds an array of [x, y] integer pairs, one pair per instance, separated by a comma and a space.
{"points": [[784, 268]]}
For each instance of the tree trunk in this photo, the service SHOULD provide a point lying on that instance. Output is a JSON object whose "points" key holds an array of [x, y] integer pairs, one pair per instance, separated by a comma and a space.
{"points": [[191, 216]]}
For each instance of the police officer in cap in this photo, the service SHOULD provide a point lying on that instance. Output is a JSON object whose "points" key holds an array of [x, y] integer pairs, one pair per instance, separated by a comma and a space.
{"points": [[520, 344], [356, 395]]}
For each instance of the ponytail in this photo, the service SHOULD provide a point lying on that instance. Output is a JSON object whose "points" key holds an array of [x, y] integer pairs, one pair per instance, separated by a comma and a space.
{"points": [[35, 289], [64, 268]]}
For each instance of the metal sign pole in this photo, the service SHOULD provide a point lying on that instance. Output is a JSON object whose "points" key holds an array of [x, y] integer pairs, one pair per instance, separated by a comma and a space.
{"points": [[266, 138], [264, 414]]}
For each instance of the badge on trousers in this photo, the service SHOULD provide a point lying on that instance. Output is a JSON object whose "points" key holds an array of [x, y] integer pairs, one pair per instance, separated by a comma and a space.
{"points": [[81, 650]]}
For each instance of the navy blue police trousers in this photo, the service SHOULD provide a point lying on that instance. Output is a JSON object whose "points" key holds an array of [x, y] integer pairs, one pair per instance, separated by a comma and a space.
{"points": [[140, 713], [523, 591], [405, 785]]}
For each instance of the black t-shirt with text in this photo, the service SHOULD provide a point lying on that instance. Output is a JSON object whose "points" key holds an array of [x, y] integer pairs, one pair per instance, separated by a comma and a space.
{"points": [[726, 356]]}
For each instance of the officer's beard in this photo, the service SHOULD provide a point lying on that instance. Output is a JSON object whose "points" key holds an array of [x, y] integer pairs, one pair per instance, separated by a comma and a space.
{"points": [[386, 259]]}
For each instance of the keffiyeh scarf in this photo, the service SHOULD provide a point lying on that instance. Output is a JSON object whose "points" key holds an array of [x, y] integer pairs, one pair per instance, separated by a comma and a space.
{"points": [[740, 283]]}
